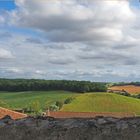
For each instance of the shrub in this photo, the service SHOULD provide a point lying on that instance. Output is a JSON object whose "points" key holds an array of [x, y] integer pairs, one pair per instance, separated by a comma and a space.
{"points": [[137, 96], [68, 100], [53, 108], [126, 94], [35, 106], [59, 104]]}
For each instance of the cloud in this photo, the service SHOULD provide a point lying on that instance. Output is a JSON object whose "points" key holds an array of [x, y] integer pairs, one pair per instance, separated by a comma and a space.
{"points": [[2, 19], [13, 70], [57, 46], [61, 61], [75, 39], [110, 58], [34, 40], [5, 54], [5, 35], [68, 21]]}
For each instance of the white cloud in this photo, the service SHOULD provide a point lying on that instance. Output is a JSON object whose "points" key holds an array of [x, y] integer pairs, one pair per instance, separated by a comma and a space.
{"points": [[79, 39], [5, 54], [2, 20], [67, 20], [14, 70]]}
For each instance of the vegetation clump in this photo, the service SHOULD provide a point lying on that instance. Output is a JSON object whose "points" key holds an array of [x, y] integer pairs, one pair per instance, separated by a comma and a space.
{"points": [[53, 107], [69, 100], [35, 107], [59, 104]]}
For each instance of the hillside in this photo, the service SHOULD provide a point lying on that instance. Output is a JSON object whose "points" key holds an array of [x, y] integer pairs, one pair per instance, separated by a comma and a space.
{"points": [[103, 102], [17, 100], [132, 89]]}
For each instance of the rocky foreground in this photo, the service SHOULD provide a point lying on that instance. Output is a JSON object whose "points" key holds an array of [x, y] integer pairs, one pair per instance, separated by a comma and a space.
{"points": [[99, 128]]}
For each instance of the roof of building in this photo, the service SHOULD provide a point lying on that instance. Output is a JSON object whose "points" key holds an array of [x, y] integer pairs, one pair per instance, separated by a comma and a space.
{"points": [[13, 114]]}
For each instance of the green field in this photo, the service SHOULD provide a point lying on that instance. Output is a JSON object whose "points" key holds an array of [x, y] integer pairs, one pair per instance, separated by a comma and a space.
{"points": [[88, 102], [19, 100], [103, 102]]}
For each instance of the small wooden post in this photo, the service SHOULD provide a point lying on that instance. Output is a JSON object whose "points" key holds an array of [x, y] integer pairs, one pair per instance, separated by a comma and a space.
{"points": [[48, 113]]}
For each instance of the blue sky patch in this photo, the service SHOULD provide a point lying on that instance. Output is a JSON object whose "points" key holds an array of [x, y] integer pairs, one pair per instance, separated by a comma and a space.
{"points": [[7, 5]]}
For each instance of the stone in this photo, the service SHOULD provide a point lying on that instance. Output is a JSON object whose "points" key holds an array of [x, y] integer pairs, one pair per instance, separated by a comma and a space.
{"points": [[99, 128]]}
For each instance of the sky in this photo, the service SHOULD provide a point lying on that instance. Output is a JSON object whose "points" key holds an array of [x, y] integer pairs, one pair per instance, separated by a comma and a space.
{"points": [[70, 39]]}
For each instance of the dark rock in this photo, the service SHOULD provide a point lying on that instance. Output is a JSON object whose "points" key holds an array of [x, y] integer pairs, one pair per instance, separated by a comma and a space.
{"points": [[7, 119]]}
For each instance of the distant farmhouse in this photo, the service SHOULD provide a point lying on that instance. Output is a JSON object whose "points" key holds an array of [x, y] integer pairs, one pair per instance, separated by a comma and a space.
{"points": [[116, 91]]}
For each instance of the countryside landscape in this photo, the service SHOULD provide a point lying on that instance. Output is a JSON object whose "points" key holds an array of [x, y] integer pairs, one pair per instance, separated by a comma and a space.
{"points": [[37, 96], [69, 70]]}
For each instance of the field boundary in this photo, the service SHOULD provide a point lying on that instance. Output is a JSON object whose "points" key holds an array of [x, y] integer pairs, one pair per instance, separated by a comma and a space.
{"points": [[65, 114]]}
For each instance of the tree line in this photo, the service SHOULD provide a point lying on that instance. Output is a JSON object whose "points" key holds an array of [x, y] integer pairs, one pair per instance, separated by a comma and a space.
{"points": [[45, 85], [125, 83]]}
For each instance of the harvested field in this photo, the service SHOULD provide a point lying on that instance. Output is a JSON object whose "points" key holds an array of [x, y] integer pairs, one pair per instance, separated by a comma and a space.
{"points": [[132, 89]]}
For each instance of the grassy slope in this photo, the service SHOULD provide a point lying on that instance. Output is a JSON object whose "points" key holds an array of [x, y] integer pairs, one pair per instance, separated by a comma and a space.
{"points": [[24, 99], [103, 102]]}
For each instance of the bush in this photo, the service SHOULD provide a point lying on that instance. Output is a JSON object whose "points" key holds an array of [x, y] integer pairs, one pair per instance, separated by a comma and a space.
{"points": [[137, 96], [53, 108], [35, 106], [126, 94], [59, 104], [68, 100]]}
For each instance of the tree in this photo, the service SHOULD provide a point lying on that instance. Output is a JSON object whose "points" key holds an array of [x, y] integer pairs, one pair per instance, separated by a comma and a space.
{"points": [[37, 85]]}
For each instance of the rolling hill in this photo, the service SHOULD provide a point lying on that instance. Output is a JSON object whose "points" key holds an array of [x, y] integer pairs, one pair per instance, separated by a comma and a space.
{"points": [[19, 100], [103, 102], [88, 102]]}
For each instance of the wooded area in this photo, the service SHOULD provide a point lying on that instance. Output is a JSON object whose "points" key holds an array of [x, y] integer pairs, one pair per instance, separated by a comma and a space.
{"points": [[44, 85]]}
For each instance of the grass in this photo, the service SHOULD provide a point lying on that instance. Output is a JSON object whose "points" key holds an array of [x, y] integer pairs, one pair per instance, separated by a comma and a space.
{"points": [[89, 102], [103, 102], [18, 100]]}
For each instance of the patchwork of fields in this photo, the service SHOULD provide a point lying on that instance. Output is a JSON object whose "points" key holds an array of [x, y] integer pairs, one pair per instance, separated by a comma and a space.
{"points": [[132, 89], [87, 102]]}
